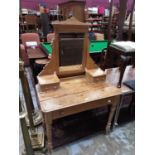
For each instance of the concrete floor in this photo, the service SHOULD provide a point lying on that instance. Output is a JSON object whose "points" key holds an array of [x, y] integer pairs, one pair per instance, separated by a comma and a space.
{"points": [[121, 141]]}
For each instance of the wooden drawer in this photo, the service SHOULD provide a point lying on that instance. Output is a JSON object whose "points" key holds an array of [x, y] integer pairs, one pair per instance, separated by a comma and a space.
{"points": [[83, 107]]}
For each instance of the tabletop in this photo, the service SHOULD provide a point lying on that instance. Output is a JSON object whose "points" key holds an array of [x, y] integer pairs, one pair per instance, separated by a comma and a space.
{"points": [[78, 90], [35, 53], [97, 46]]}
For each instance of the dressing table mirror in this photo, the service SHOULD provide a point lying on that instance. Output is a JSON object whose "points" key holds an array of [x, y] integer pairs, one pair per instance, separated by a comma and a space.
{"points": [[70, 55]]}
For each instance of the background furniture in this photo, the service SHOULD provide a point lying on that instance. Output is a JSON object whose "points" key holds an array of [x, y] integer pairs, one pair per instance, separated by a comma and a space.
{"points": [[73, 8], [33, 56], [34, 118], [32, 53], [99, 36], [50, 37], [96, 48], [129, 25], [31, 22], [25, 132], [23, 55], [36, 53], [132, 20], [96, 21], [121, 55], [22, 24], [122, 16], [27, 37]]}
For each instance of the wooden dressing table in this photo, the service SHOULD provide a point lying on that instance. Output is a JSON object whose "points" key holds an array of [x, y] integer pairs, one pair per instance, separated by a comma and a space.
{"points": [[68, 89], [75, 95]]}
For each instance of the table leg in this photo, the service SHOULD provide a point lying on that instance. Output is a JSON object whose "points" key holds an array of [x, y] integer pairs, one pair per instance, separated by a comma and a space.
{"points": [[48, 133], [117, 112], [132, 103], [124, 61], [112, 110]]}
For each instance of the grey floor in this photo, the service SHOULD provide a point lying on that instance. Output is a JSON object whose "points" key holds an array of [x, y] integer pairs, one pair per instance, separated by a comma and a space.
{"points": [[120, 141]]}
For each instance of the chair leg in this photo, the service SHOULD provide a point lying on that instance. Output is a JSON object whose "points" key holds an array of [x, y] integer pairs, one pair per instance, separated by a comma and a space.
{"points": [[124, 61], [103, 60], [132, 104]]}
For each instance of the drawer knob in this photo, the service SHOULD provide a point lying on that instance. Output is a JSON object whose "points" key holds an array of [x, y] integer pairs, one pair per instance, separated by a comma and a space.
{"points": [[109, 101], [62, 112]]}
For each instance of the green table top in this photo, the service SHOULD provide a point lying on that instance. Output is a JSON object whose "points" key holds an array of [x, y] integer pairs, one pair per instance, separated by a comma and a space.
{"points": [[97, 46], [47, 47], [94, 47]]}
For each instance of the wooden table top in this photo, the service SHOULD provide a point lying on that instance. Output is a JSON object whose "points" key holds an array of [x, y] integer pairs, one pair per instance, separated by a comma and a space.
{"points": [[35, 53], [78, 90]]}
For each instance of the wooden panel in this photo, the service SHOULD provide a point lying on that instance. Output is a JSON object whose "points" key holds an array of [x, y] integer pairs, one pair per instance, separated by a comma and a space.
{"points": [[48, 82], [72, 70], [95, 75]]}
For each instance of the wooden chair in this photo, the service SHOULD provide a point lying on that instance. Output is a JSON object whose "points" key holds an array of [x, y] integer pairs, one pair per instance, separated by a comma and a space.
{"points": [[50, 37], [27, 37], [99, 36], [31, 23], [23, 55], [22, 25]]}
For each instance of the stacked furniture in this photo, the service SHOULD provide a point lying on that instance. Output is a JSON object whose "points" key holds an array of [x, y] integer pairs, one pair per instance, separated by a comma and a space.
{"points": [[73, 8], [96, 21], [29, 23]]}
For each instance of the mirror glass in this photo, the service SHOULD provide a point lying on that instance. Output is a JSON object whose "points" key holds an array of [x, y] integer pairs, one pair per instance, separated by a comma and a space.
{"points": [[71, 48]]}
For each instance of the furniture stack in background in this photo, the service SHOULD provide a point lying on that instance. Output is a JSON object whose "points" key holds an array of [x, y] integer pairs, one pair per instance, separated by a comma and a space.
{"points": [[73, 8], [95, 17]]}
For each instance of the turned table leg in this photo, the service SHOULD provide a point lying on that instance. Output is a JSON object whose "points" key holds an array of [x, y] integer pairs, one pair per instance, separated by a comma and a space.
{"points": [[48, 124], [118, 107], [124, 61], [111, 114]]}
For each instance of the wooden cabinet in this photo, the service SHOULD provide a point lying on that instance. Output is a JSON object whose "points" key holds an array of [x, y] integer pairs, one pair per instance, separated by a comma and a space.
{"points": [[73, 8]]}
